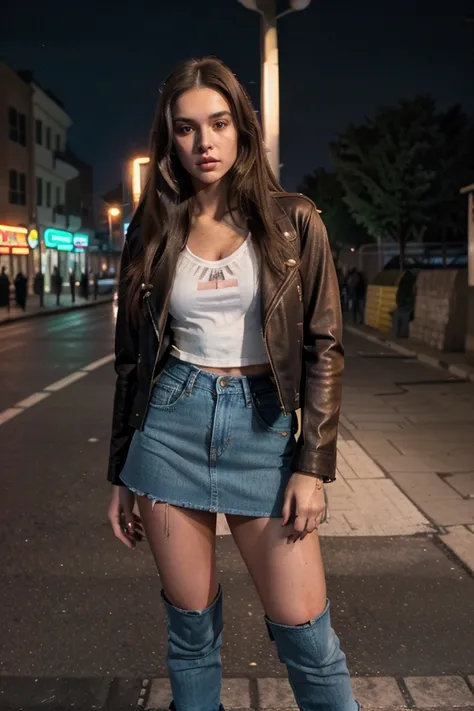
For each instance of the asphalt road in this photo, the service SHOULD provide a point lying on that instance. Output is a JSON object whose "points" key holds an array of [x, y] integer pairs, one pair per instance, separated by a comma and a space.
{"points": [[74, 603]]}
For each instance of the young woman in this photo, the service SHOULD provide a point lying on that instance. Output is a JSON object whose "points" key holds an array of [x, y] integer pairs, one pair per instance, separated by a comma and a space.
{"points": [[228, 323]]}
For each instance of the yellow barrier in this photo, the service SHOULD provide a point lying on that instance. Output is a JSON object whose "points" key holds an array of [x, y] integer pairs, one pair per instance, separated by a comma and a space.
{"points": [[380, 302]]}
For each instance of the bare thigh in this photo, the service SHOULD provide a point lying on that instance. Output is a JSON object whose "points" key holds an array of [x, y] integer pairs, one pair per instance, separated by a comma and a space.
{"points": [[183, 543], [289, 577]]}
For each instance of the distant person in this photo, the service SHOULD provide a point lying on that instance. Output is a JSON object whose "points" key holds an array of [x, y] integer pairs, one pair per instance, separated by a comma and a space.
{"points": [[4, 290], [96, 286], [21, 290], [405, 299], [72, 285], [84, 286], [359, 295], [38, 286], [57, 285], [207, 390]]}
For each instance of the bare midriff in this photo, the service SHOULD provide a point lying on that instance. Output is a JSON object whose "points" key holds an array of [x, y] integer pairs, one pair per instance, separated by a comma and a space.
{"points": [[246, 370]]}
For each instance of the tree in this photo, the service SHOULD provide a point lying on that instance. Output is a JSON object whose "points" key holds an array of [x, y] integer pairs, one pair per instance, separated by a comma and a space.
{"points": [[327, 193], [386, 168], [453, 162]]}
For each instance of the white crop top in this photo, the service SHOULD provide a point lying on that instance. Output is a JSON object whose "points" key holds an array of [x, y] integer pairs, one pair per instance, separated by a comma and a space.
{"points": [[215, 310]]}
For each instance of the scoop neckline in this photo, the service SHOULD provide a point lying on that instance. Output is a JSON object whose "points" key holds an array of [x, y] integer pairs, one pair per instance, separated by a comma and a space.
{"points": [[221, 262]]}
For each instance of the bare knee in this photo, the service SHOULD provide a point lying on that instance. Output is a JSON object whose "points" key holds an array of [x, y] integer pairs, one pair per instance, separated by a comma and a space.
{"points": [[195, 601], [296, 612]]}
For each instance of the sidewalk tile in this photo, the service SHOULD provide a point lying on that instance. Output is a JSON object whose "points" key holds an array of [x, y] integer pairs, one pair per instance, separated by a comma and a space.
{"points": [[159, 696], [425, 486], [235, 693], [439, 692], [401, 463], [379, 692], [463, 483], [274, 694], [461, 542]]}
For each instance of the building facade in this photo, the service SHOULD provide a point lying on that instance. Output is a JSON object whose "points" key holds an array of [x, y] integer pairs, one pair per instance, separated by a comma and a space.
{"points": [[62, 243], [17, 194]]}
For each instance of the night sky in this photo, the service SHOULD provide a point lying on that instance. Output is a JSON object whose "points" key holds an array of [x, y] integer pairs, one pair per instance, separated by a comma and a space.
{"points": [[339, 59]]}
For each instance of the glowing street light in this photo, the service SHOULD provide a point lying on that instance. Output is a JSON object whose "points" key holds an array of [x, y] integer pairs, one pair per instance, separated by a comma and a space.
{"points": [[270, 83], [112, 212]]}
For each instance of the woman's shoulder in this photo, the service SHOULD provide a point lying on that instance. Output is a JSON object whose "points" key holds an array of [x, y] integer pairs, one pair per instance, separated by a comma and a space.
{"points": [[299, 208]]}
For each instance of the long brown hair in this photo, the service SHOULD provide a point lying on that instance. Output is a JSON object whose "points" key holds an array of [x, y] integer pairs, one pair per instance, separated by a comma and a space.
{"points": [[167, 203]]}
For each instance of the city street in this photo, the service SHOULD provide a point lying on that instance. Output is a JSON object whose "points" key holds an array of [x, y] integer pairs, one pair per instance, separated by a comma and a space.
{"points": [[81, 617]]}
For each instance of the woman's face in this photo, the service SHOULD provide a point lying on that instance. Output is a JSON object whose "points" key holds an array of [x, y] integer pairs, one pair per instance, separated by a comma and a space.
{"points": [[205, 136]]}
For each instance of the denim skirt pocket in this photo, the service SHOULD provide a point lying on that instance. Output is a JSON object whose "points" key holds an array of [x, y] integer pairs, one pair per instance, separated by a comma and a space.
{"points": [[167, 391]]}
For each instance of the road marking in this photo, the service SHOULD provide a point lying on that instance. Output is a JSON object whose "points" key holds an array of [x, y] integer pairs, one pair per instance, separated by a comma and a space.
{"points": [[9, 414], [64, 382], [97, 364], [35, 398], [32, 400]]}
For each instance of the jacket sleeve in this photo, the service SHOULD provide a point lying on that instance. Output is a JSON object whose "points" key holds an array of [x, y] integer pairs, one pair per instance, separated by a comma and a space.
{"points": [[126, 359], [323, 354]]}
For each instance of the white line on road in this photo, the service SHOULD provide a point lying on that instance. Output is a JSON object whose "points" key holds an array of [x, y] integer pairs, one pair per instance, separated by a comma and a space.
{"points": [[97, 364], [35, 398], [9, 414], [64, 382], [32, 400]]}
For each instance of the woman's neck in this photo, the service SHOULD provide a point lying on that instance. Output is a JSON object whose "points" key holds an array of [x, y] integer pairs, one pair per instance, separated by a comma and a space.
{"points": [[211, 200]]}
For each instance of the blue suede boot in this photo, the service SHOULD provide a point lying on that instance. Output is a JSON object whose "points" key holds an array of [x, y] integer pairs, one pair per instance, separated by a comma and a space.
{"points": [[194, 658], [317, 668]]}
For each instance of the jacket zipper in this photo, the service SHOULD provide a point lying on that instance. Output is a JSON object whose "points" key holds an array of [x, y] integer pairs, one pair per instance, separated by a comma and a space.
{"points": [[273, 306]]}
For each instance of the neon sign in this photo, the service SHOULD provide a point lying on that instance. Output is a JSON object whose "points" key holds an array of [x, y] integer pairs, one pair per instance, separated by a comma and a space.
{"points": [[13, 240]]}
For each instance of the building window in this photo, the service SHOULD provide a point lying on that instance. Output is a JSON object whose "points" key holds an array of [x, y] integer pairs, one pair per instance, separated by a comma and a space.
{"points": [[58, 142], [17, 188], [58, 195], [39, 191], [48, 194], [48, 138], [22, 129], [39, 132], [13, 124], [16, 126]]}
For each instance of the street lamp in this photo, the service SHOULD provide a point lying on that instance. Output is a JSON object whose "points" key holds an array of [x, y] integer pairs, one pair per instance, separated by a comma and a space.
{"points": [[112, 212], [270, 87]]}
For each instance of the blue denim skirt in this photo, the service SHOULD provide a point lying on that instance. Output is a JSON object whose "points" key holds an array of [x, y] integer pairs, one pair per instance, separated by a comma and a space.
{"points": [[214, 443]]}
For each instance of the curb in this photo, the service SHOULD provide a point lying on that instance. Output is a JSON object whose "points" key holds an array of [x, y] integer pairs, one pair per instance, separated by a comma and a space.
{"points": [[457, 370], [54, 311]]}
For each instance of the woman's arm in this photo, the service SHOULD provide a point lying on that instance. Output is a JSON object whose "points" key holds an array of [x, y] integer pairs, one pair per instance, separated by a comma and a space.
{"points": [[323, 354], [126, 357]]}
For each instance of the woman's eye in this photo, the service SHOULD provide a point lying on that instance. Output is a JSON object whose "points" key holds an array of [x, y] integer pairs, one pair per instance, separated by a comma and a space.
{"points": [[184, 130], [220, 125]]}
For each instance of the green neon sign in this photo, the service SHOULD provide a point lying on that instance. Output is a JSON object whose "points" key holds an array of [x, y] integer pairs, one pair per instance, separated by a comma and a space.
{"points": [[61, 240]]}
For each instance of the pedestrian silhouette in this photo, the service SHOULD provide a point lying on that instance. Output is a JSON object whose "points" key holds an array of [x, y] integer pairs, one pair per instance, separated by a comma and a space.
{"points": [[4, 290], [21, 289]]}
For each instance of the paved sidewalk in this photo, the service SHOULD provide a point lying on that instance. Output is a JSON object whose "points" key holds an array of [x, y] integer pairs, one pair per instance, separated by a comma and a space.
{"points": [[454, 363], [444, 693], [419, 432], [363, 501], [33, 309]]}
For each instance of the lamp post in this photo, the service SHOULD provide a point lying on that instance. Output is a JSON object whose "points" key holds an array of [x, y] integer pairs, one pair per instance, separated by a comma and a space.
{"points": [[270, 82], [112, 212]]}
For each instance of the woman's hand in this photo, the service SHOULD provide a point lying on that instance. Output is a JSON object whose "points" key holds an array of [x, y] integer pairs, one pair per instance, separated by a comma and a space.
{"points": [[126, 525], [304, 506]]}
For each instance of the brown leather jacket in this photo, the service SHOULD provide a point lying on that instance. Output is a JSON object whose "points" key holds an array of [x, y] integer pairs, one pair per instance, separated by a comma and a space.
{"points": [[302, 329]]}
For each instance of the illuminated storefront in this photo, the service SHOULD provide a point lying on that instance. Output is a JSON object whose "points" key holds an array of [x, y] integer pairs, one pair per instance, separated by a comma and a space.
{"points": [[14, 249], [64, 250]]}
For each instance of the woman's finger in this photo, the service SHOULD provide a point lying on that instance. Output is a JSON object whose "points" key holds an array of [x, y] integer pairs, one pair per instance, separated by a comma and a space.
{"points": [[286, 510], [119, 532]]}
